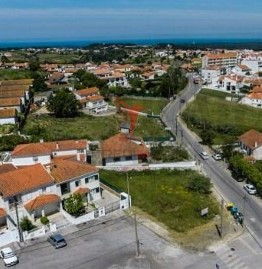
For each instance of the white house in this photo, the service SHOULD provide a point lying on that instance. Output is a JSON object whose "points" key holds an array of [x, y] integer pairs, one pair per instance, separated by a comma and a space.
{"points": [[251, 143], [123, 149], [44, 152], [210, 74], [252, 99]]}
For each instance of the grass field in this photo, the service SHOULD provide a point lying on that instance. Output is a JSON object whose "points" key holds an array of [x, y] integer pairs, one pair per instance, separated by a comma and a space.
{"points": [[164, 195], [210, 106], [7, 74], [57, 58], [147, 105], [89, 127]]}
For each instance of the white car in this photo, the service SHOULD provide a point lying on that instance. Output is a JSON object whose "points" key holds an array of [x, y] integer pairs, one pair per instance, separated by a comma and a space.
{"points": [[217, 156], [204, 155], [250, 189], [8, 256]]}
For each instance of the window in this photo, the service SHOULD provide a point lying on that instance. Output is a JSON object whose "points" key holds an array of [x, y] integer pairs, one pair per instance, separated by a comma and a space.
{"points": [[78, 183], [96, 190], [80, 151], [86, 180], [128, 158], [65, 188], [35, 158], [117, 159], [96, 177]]}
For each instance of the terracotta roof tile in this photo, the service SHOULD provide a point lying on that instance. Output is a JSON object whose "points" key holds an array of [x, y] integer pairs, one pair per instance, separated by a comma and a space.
{"points": [[41, 200], [2, 212], [10, 102], [82, 190], [8, 113], [17, 82], [123, 145], [251, 138], [48, 147], [88, 91], [11, 94], [95, 98], [24, 180], [65, 170], [7, 167]]}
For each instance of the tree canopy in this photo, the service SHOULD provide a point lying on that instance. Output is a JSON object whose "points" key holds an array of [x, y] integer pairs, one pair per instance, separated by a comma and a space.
{"points": [[64, 104]]}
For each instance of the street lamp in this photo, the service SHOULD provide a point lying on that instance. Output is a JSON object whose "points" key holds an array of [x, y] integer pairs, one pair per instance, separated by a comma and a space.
{"points": [[128, 190]]}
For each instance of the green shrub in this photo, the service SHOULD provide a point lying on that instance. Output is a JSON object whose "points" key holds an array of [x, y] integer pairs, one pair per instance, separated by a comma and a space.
{"points": [[44, 220], [26, 224]]}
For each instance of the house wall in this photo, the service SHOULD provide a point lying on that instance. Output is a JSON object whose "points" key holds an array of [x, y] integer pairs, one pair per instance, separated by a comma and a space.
{"points": [[254, 65], [208, 75], [8, 121], [93, 184], [67, 152], [44, 159], [251, 102], [123, 161], [257, 153]]}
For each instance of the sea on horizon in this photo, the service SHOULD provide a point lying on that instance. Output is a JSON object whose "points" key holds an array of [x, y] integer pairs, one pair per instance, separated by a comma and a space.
{"points": [[241, 42]]}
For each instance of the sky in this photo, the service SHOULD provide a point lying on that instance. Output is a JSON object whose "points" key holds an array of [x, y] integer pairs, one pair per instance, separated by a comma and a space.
{"points": [[62, 20]]}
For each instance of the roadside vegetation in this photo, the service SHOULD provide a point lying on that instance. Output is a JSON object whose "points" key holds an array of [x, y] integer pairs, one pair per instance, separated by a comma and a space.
{"points": [[169, 153], [210, 115], [173, 197]]}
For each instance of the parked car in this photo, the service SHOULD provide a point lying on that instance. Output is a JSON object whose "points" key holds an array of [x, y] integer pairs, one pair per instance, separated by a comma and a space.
{"points": [[203, 155], [57, 240], [182, 101], [217, 156], [8, 257], [250, 189]]}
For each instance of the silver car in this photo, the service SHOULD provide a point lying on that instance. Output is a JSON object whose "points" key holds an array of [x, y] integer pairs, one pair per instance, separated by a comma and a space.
{"points": [[57, 240], [250, 189]]}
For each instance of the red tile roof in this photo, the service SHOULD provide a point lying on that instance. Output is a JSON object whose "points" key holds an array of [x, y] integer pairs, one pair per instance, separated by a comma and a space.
{"points": [[17, 82], [251, 138], [88, 91], [7, 167], [46, 148], [82, 190], [41, 201], [24, 180], [95, 98], [7, 113], [123, 145], [2, 213], [65, 170], [16, 101]]}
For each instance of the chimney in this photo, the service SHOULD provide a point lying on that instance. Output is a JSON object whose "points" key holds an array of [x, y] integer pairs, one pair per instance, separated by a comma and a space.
{"points": [[256, 144], [57, 146], [41, 140], [78, 156]]}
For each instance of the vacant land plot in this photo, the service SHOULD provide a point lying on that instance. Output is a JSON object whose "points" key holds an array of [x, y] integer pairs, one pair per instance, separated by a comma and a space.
{"points": [[150, 105], [89, 127], [227, 119], [165, 195], [7, 74]]}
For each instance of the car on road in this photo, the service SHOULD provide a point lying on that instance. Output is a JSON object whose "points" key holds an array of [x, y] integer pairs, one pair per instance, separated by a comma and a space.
{"points": [[57, 240], [250, 189], [203, 155], [182, 101], [217, 156], [8, 256]]}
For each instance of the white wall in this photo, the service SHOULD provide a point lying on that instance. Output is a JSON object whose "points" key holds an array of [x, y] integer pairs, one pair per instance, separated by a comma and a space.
{"points": [[44, 159], [257, 153], [7, 121], [123, 162]]}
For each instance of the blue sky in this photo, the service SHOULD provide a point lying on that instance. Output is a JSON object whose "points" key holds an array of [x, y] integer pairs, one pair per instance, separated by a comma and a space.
{"points": [[128, 19]]}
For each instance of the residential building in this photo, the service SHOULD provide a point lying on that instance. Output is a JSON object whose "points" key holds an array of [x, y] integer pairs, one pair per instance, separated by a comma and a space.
{"points": [[123, 149], [8, 116], [227, 60], [45, 152], [251, 143]]}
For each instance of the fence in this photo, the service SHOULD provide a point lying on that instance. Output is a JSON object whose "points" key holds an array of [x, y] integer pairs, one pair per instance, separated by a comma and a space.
{"points": [[112, 207]]}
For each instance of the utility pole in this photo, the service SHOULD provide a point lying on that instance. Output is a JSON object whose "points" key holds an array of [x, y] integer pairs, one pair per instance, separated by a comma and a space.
{"points": [[221, 218], [137, 240], [21, 239], [128, 191]]}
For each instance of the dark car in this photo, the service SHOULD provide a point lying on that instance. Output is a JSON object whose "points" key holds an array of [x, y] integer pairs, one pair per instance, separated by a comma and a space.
{"points": [[182, 101], [57, 240]]}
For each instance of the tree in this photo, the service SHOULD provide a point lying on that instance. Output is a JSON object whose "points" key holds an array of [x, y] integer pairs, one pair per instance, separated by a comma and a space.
{"points": [[4, 60], [39, 84], [200, 184], [74, 204], [64, 104], [26, 224], [34, 65], [207, 136]]}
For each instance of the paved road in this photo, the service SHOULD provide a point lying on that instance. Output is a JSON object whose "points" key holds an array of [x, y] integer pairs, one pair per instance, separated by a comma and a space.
{"points": [[229, 189]]}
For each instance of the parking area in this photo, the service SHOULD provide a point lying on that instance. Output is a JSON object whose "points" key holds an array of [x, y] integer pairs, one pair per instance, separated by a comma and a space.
{"points": [[111, 243]]}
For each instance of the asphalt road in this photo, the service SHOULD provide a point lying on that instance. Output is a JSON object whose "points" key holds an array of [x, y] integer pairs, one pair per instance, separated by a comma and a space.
{"points": [[111, 244], [227, 187]]}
